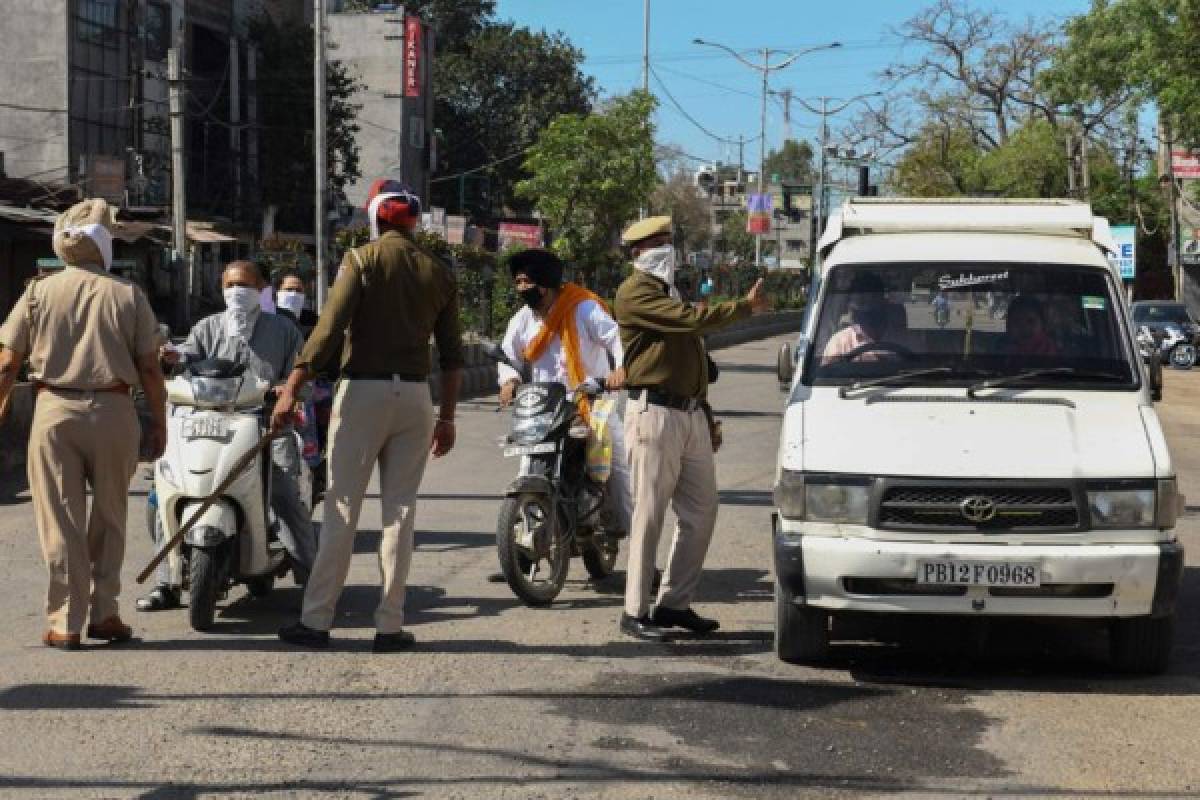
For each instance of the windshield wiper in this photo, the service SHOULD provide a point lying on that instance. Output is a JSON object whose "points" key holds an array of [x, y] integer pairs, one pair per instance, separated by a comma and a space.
{"points": [[1019, 377], [893, 379]]}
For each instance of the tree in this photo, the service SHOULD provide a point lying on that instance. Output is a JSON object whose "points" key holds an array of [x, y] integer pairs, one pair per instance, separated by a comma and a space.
{"points": [[793, 162], [942, 161], [689, 208], [493, 97], [285, 97], [589, 174], [1125, 49], [735, 240]]}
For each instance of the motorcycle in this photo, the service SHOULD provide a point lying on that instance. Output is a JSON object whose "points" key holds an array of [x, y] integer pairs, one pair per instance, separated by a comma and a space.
{"points": [[214, 418], [553, 510], [1171, 346]]}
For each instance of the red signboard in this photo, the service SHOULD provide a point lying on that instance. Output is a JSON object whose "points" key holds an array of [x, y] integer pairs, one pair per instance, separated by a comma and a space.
{"points": [[516, 233], [412, 56], [1185, 164]]}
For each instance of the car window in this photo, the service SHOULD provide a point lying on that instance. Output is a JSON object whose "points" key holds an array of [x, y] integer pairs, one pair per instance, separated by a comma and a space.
{"points": [[968, 319]]}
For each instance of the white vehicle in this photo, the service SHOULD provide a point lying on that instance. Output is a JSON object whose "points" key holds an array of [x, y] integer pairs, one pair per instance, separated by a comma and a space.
{"points": [[214, 419], [1008, 462]]}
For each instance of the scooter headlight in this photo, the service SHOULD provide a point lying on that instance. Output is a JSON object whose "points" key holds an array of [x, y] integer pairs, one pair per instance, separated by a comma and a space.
{"points": [[215, 391]]}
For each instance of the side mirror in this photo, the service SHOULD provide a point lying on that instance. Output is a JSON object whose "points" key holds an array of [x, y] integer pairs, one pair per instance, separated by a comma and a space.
{"points": [[785, 367], [1156, 378]]}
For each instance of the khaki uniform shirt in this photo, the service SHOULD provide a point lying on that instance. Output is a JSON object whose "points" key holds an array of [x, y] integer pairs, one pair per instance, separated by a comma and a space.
{"points": [[387, 302], [664, 348], [82, 328]]}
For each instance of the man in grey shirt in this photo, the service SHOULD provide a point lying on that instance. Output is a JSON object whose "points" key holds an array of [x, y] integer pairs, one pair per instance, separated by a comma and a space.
{"points": [[268, 345]]}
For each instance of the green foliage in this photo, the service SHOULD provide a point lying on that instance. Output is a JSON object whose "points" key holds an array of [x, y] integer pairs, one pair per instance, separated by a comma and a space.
{"points": [[589, 174], [793, 162], [1134, 47], [495, 92], [942, 162], [1031, 163], [285, 97], [735, 241], [688, 207]]}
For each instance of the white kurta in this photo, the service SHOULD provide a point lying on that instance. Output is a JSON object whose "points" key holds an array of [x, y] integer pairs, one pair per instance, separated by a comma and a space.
{"points": [[599, 340]]}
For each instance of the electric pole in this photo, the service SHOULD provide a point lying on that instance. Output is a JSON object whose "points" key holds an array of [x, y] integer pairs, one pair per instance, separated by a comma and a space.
{"points": [[179, 183], [646, 46], [319, 144]]}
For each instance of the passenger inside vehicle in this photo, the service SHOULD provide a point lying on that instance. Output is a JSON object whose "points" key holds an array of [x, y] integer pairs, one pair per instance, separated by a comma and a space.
{"points": [[1027, 331]]}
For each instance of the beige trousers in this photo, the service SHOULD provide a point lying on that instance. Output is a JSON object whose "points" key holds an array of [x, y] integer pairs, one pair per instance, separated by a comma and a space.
{"points": [[390, 422], [82, 439], [671, 461]]}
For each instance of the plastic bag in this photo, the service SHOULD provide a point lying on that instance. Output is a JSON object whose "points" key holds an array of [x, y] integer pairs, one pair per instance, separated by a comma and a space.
{"points": [[599, 445]]}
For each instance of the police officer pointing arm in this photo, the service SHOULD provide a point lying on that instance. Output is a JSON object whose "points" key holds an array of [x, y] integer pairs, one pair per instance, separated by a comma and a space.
{"points": [[667, 432]]}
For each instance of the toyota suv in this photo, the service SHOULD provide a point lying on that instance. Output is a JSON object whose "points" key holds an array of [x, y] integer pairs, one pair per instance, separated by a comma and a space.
{"points": [[969, 431]]}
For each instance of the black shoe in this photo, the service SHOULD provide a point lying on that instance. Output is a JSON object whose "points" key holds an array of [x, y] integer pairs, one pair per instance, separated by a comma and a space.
{"points": [[688, 619], [393, 642], [161, 598], [643, 628], [304, 636]]}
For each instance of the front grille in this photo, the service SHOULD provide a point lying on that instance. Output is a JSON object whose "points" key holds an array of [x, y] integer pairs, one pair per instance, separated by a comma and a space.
{"points": [[941, 507]]}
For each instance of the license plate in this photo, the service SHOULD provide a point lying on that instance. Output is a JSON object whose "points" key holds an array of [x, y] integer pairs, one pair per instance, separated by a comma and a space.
{"points": [[206, 428], [530, 449], [949, 572]]}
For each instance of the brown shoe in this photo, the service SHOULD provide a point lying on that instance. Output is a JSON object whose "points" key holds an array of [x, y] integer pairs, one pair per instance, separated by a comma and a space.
{"points": [[63, 641], [111, 629]]}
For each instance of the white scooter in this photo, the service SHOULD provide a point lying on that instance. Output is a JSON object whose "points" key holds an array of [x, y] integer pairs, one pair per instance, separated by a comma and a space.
{"points": [[214, 418]]}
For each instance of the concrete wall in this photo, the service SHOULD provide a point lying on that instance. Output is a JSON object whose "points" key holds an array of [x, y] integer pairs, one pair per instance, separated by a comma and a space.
{"points": [[33, 41]]}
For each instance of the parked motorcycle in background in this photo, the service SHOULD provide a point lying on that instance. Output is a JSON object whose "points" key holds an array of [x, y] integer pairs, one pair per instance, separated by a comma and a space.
{"points": [[553, 509], [1170, 344]]}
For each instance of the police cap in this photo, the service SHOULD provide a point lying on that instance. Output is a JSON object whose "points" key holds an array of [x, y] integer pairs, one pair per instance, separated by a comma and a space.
{"points": [[645, 228]]}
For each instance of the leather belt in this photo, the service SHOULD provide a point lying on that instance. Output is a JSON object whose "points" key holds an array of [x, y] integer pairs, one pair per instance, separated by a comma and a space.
{"points": [[657, 398], [407, 377], [119, 388]]}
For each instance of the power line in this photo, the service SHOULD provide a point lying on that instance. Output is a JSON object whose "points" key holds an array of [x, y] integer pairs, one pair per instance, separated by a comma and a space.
{"points": [[684, 112], [480, 168]]}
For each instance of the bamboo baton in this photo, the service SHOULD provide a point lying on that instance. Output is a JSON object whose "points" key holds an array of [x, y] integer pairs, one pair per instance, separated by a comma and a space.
{"points": [[236, 472]]}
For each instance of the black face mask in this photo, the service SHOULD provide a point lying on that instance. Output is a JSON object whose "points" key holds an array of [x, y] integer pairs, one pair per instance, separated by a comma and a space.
{"points": [[532, 296]]}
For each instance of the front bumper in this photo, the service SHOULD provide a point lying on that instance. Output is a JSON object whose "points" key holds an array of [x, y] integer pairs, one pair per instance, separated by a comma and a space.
{"points": [[841, 573]]}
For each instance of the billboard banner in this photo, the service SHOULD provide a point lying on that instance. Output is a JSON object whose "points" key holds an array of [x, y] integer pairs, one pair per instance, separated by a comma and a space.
{"points": [[1185, 164], [513, 233], [1126, 257], [412, 56], [758, 216]]}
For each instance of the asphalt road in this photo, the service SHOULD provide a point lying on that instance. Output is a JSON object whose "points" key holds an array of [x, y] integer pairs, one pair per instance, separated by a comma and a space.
{"points": [[500, 700]]}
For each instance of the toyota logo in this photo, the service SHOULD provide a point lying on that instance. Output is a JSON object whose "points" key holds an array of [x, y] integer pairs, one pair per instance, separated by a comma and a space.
{"points": [[978, 509]]}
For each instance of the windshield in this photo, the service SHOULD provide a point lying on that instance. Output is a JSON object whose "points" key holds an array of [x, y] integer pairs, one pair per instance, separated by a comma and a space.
{"points": [[951, 324], [1161, 313]]}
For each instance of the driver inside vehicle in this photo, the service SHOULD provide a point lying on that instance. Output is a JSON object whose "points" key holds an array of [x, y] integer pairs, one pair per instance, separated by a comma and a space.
{"points": [[872, 319]]}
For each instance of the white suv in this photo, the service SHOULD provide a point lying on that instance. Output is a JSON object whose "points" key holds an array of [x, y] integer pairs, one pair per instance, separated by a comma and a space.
{"points": [[969, 430]]}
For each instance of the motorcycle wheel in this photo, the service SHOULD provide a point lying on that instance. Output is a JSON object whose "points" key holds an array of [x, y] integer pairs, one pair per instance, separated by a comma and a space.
{"points": [[535, 579], [600, 555], [1183, 356], [207, 570]]}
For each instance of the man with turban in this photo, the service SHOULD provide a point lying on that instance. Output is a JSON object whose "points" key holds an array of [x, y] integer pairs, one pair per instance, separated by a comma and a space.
{"points": [[390, 296], [90, 338]]}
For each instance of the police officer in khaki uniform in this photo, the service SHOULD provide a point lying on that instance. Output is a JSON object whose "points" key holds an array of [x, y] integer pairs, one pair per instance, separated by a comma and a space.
{"points": [[667, 433], [90, 338], [389, 297]]}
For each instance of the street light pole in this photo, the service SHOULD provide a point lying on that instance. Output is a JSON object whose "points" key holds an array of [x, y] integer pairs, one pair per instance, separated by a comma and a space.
{"points": [[766, 68]]}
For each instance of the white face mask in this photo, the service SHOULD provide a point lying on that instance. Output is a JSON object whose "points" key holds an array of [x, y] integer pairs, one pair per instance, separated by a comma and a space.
{"points": [[242, 304], [659, 262], [290, 300]]}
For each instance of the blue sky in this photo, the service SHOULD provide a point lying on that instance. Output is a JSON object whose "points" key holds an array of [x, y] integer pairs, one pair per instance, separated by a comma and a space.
{"points": [[717, 91]]}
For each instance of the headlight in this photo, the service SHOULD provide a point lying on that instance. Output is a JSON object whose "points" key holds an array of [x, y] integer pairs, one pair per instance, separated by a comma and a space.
{"points": [[1151, 506], [836, 502], [531, 429], [1122, 508], [822, 498], [215, 391]]}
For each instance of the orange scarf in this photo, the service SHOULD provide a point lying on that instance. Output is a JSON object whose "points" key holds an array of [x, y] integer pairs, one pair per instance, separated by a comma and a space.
{"points": [[560, 323]]}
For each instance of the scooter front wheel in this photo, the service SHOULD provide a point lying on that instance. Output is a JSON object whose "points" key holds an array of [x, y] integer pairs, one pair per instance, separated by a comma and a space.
{"points": [[534, 556], [208, 579]]}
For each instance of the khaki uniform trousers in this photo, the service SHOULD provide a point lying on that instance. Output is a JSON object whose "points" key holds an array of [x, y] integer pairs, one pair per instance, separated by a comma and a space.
{"points": [[81, 439], [671, 461], [390, 422]]}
